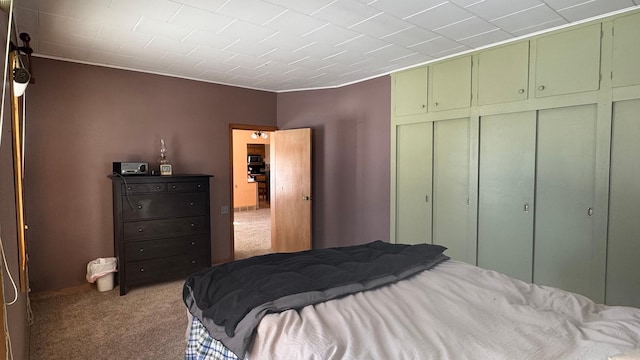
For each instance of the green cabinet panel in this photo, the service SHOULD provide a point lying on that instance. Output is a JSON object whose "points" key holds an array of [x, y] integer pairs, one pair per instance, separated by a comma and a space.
{"points": [[506, 193], [451, 84], [565, 182], [568, 62], [623, 255], [626, 51], [413, 183], [451, 188], [410, 91], [503, 74]]}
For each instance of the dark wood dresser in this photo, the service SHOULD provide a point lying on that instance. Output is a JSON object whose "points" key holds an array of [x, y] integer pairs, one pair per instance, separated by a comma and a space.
{"points": [[161, 227]]}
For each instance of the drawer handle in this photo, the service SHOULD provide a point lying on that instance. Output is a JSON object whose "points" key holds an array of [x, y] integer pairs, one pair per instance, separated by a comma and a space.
{"points": [[141, 250], [158, 187], [193, 243], [140, 230], [129, 188], [173, 187], [139, 206], [193, 225], [191, 203], [193, 261], [141, 269], [199, 186]]}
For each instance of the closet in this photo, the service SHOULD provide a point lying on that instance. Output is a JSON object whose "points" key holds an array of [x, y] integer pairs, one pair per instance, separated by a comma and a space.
{"points": [[523, 158]]}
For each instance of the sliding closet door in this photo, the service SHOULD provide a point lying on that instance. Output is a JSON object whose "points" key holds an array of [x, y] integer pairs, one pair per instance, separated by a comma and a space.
{"points": [[506, 193], [413, 183], [451, 189], [623, 279], [565, 199]]}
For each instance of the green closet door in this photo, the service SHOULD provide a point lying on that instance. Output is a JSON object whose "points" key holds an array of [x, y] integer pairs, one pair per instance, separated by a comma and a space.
{"points": [[413, 183], [503, 74], [506, 193], [623, 255], [451, 188], [410, 92], [626, 51], [564, 200], [451, 84]]}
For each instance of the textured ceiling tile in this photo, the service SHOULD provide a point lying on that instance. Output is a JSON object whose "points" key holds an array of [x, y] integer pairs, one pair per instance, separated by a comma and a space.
{"points": [[295, 23], [248, 31], [171, 45], [208, 5], [440, 16], [412, 60], [139, 52], [253, 11], [539, 27], [98, 57], [192, 18], [199, 37], [467, 28], [436, 46], [111, 33], [411, 36], [389, 52], [381, 26], [346, 13], [63, 51], [285, 41], [492, 9], [60, 24], [363, 44], [331, 34], [159, 28], [157, 9], [305, 7], [486, 38], [148, 65], [589, 9], [249, 48], [466, 3], [402, 9], [528, 19]]}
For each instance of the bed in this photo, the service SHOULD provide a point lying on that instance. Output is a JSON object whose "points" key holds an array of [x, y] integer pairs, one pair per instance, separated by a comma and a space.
{"points": [[420, 305]]}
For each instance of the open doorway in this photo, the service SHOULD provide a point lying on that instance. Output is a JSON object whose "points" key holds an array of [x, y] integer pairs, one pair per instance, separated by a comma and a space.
{"points": [[251, 217]]}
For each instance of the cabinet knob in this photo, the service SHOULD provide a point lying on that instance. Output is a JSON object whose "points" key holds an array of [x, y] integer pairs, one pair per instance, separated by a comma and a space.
{"points": [[140, 230], [193, 261], [193, 225], [423, 106], [306, 198], [526, 208], [435, 104], [193, 243], [139, 206], [200, 185], [541, 87], [521, 91], [191, 203], [173, 187], [141, 269], [158, 187], [141, 250], [590, 212], [129, 188]]}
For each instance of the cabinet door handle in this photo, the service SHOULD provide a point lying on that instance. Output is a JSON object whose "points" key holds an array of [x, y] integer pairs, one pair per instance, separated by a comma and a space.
{"points": [[158, 187], [526, 208], [129, 188], [423, 106], [141, 269], [141, 250], [590, 212], [193, 261], [541, 87], [199, 186], [191, 203], [521, 91], [426, 198], [435, 104], [139, 206], [306, 198], [140, 230], [173, 187], [193, 243], [193, 225]]}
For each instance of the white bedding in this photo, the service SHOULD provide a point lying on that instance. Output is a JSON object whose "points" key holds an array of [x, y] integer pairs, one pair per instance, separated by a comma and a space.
{"points": [[454, 311]]}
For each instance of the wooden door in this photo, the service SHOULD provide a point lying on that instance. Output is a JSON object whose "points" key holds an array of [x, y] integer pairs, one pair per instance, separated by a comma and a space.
{"points": [[506, 193], [291, 190], [565, 250], [451, 189], [413, 183]]}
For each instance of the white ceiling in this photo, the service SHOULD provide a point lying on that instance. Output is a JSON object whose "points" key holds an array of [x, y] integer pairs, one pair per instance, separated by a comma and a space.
{"points": [[282, 45]]}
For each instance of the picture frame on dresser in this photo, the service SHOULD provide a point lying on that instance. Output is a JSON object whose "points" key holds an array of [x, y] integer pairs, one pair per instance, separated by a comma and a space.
{"points": [[161, 227]]}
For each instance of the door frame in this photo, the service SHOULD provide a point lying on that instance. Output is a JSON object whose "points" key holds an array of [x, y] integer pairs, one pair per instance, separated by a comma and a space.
{"points": [[231, 208]]}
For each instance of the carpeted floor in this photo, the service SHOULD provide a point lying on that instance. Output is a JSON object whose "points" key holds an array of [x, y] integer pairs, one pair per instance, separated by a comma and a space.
{"points": [[252, 233], [147, 323], [83, 323]]}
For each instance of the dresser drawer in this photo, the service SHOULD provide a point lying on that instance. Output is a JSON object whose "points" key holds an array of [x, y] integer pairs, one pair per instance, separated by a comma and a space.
{"points": [[151, 249], [165, 268], [150, 206], [141, 230], [143, 188], [187, 186]]}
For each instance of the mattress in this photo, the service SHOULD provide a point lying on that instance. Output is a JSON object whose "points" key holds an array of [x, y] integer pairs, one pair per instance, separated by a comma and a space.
{"points": [[453, 311]]}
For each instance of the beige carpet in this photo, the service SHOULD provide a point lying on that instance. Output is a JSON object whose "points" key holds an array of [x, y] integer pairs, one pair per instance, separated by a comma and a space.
{"points": [[252, 233], [82, 323]]}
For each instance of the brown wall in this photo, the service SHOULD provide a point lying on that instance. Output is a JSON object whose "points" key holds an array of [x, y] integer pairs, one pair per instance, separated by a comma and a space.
{"points": [[81, 118], [351, 158]]}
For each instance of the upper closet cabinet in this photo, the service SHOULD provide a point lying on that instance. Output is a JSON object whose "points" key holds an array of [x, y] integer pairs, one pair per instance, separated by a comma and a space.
{"points": [[413, 183], [568, 62], [503, 74], [451, 84], [626, 51], [410, 92]]}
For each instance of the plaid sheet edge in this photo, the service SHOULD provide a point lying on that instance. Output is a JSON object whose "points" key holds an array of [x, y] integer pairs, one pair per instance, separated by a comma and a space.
{"points": [[201, 346]]}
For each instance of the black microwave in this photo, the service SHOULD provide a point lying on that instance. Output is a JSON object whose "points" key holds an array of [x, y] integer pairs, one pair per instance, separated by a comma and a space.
{"points": [[254, 159]]}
